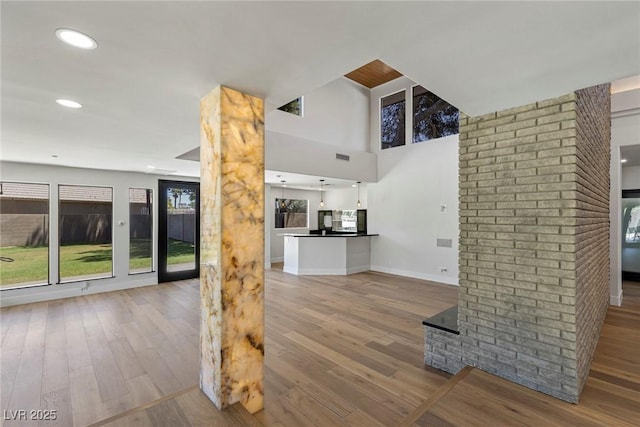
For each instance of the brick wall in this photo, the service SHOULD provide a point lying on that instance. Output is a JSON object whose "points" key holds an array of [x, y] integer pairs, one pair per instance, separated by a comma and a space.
{"points": [[593, 119], [534, 240], [442, 350]]}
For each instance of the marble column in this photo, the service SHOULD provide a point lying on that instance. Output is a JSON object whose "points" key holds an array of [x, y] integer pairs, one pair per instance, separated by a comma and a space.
{"points": [[232, 248]]}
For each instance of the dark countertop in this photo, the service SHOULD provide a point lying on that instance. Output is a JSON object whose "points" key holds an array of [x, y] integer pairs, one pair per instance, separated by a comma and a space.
{"points": [[331, 235], [445, 320]]}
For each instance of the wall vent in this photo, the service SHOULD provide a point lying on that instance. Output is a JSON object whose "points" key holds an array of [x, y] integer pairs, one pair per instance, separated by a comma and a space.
{"points": [[342, 157], [444, 243]]}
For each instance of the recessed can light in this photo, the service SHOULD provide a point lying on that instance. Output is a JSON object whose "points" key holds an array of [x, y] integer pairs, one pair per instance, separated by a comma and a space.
{"points": [[623, 160], [68, 103], [76, 38]]}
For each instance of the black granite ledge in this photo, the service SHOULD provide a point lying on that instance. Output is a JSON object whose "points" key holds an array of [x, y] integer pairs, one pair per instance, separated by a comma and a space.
{"points": [[332, 235], [445, 320]]}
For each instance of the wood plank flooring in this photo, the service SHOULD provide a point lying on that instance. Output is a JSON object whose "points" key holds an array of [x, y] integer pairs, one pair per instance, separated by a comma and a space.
{"points": [[611, 396], [340, 351]]}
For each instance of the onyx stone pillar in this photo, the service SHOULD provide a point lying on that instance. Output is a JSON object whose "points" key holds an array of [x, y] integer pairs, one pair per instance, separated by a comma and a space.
{"points": [[232, 248]]}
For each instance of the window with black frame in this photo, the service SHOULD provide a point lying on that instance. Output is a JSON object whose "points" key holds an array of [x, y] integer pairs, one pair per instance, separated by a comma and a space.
{"points": [[392, 118], [631, 234]]}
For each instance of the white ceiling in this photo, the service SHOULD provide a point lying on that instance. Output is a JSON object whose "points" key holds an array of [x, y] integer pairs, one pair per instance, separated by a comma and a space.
{"points": [[304, 182], [141, 87]]}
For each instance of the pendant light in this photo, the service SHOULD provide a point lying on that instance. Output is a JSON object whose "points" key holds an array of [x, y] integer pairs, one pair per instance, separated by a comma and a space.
{"points": [[321, 199], [358, 204], [282, 203]]}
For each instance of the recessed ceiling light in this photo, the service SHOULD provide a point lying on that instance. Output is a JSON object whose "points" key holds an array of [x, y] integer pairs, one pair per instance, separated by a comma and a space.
{"points": [[55, 156], [623, 160], [68, 103], [76, 38], [354, 185]]}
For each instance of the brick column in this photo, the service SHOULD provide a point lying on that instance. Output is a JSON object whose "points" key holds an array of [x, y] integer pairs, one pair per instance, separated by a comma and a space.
{"points": [[534, 241]]}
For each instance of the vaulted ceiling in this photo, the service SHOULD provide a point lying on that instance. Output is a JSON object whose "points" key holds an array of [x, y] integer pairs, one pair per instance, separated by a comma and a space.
{"points": [[141, 87]]}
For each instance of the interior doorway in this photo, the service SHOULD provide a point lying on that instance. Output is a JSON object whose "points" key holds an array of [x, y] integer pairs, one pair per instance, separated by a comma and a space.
{"points": [[179, 230], [631, 235], [629, 217]]}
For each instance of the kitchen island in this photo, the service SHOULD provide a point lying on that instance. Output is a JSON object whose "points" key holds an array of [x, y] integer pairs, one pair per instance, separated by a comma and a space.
{"points": [[330, 254]]}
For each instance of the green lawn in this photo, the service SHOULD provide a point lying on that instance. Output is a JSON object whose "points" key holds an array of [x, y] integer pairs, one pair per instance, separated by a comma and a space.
{"points": [[140, 251], [85, 260], [180, 252], [24, 265], [29, 264]]}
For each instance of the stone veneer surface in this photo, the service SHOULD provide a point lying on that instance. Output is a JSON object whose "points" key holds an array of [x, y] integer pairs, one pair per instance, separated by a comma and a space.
{"points": [[534, 236], [232, 248]]}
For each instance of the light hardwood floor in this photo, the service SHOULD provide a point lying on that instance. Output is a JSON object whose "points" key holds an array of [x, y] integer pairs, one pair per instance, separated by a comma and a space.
{"points": [[340, 351], [611, 396]]}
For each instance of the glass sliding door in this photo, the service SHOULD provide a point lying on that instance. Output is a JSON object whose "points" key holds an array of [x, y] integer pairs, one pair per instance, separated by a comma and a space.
{"points": [[179, 230]]}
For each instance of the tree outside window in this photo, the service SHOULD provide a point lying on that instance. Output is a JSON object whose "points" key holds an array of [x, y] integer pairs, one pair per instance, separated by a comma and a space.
{"points": [[433, 117], [392, 117]]}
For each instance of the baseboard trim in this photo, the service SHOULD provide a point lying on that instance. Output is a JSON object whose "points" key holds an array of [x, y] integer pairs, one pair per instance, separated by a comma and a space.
{"points": [[325, 271], [616, 299], [417, 275], [69, 290]]}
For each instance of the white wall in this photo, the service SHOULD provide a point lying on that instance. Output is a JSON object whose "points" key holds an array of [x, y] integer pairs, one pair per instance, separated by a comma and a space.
{"points": [[346, 198], [335, 114], [631, 177], [336, 120], [121, 182], [625, 130], [287, 153], [276, 244], [404, 206], [268, 225]]}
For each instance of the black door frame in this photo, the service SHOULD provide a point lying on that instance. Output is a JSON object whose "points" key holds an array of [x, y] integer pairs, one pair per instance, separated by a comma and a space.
{"points": [[163, 274]]}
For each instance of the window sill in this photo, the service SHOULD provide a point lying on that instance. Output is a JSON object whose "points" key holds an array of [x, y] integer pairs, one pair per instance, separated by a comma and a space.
{"points": [[85, 279]]}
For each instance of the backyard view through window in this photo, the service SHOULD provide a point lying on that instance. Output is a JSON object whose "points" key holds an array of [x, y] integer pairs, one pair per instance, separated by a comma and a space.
{"points": [[24, 234], [181, 229], [292, 213], [140, 230], [85, 232]]}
